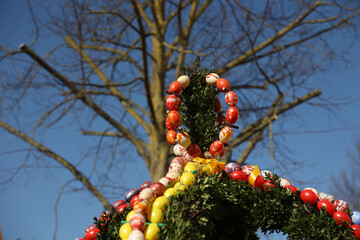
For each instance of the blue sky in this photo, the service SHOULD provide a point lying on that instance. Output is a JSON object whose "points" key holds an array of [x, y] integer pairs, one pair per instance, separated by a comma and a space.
{"points": [[27, 207]]}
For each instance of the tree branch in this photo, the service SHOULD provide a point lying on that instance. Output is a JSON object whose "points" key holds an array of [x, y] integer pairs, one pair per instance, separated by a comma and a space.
{"points": [[77, 174], [257, 137]]}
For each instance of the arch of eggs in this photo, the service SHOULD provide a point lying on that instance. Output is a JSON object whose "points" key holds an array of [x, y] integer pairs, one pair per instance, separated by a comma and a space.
{"points": [[150, 200], [173, 120]]}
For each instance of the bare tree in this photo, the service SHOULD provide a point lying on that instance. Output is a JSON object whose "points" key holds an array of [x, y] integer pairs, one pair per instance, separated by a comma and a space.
{"points": [[347, 186], [112, 61]]}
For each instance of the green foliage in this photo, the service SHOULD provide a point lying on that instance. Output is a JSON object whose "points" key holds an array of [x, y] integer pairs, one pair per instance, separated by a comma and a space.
{"points": [[197, 108], [216, 207]]}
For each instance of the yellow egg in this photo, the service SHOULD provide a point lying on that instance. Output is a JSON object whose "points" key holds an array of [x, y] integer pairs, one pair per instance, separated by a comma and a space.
{"points": [[151, 232], [129, 215], [206, 169], [125, 231], [187, 178], [191, 166], [180, 186], [155, 215], [170, 192], [161, 203]]}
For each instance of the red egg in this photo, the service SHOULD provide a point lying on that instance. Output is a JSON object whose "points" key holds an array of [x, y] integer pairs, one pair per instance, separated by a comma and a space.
{"points": [[291, 188], [238, 175], [221, 120], [218, 105], [158, 188], [122, 207], [231, 98], [268, 185], [194, 150], [329, 207], [169, 125], [171, 137], [342, 219], [308, 196], [216, 148], [258, 182], [134, 199], [232, 115], [222, 153], [223, 85], [145, 185], [172, 102], [356, 231], [88, 229], [118, 203], [174, 118], [175, 87], [104, 217], [91, 235]]}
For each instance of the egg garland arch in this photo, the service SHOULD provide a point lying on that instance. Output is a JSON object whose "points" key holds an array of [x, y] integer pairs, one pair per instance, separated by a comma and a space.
{"points": [[202, 198]]}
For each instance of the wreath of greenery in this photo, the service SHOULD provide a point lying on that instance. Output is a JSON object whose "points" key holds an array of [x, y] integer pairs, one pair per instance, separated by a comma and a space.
{"points": [[217, 207]]}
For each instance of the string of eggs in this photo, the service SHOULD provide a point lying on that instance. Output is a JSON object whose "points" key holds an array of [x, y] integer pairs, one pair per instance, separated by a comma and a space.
{"points": [[184, 147]]}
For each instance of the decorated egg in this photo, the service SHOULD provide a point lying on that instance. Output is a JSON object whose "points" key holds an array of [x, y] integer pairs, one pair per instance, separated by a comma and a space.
{"points": [[238, 175], [171, 137], [158, 188], [187, 156], [169, 125], [216, 148], [147, 194], [187, 178], [341, 205], [175, 176], [133, 200], [194, 150], [132, 212], [184, 80], [169, 192], [118, 203], [312, 189], [176, 166], [136, 235], [308, 196], [231, 98], [137, 222], [180, 186], [91, 235], [232, 115], [191, 167], [266, 174], [329, 207], [130, 194], [125, 231], [172, 102], [218, 105], [225, 134], [342, 218], [151, 232], [155, 215], [247, 169], [89, 228], [122, 207], [356, 230], [355, 217], [179, 150], [166, 181], [174, 118], [145, 185], [284, 182], [175, 87], [183, 139], [326, 196], [223, 85], [180, 160], [231, 167], [161, 202], [141, 206], [291, 188], [212, 78]]}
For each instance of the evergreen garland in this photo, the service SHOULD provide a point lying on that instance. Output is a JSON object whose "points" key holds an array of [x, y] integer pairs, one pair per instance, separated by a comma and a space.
{"points": [[197, 108], [217, 207]]}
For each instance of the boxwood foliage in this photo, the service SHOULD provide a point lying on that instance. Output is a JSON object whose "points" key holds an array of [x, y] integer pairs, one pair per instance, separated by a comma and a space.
{"points": [[216, 207]]}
